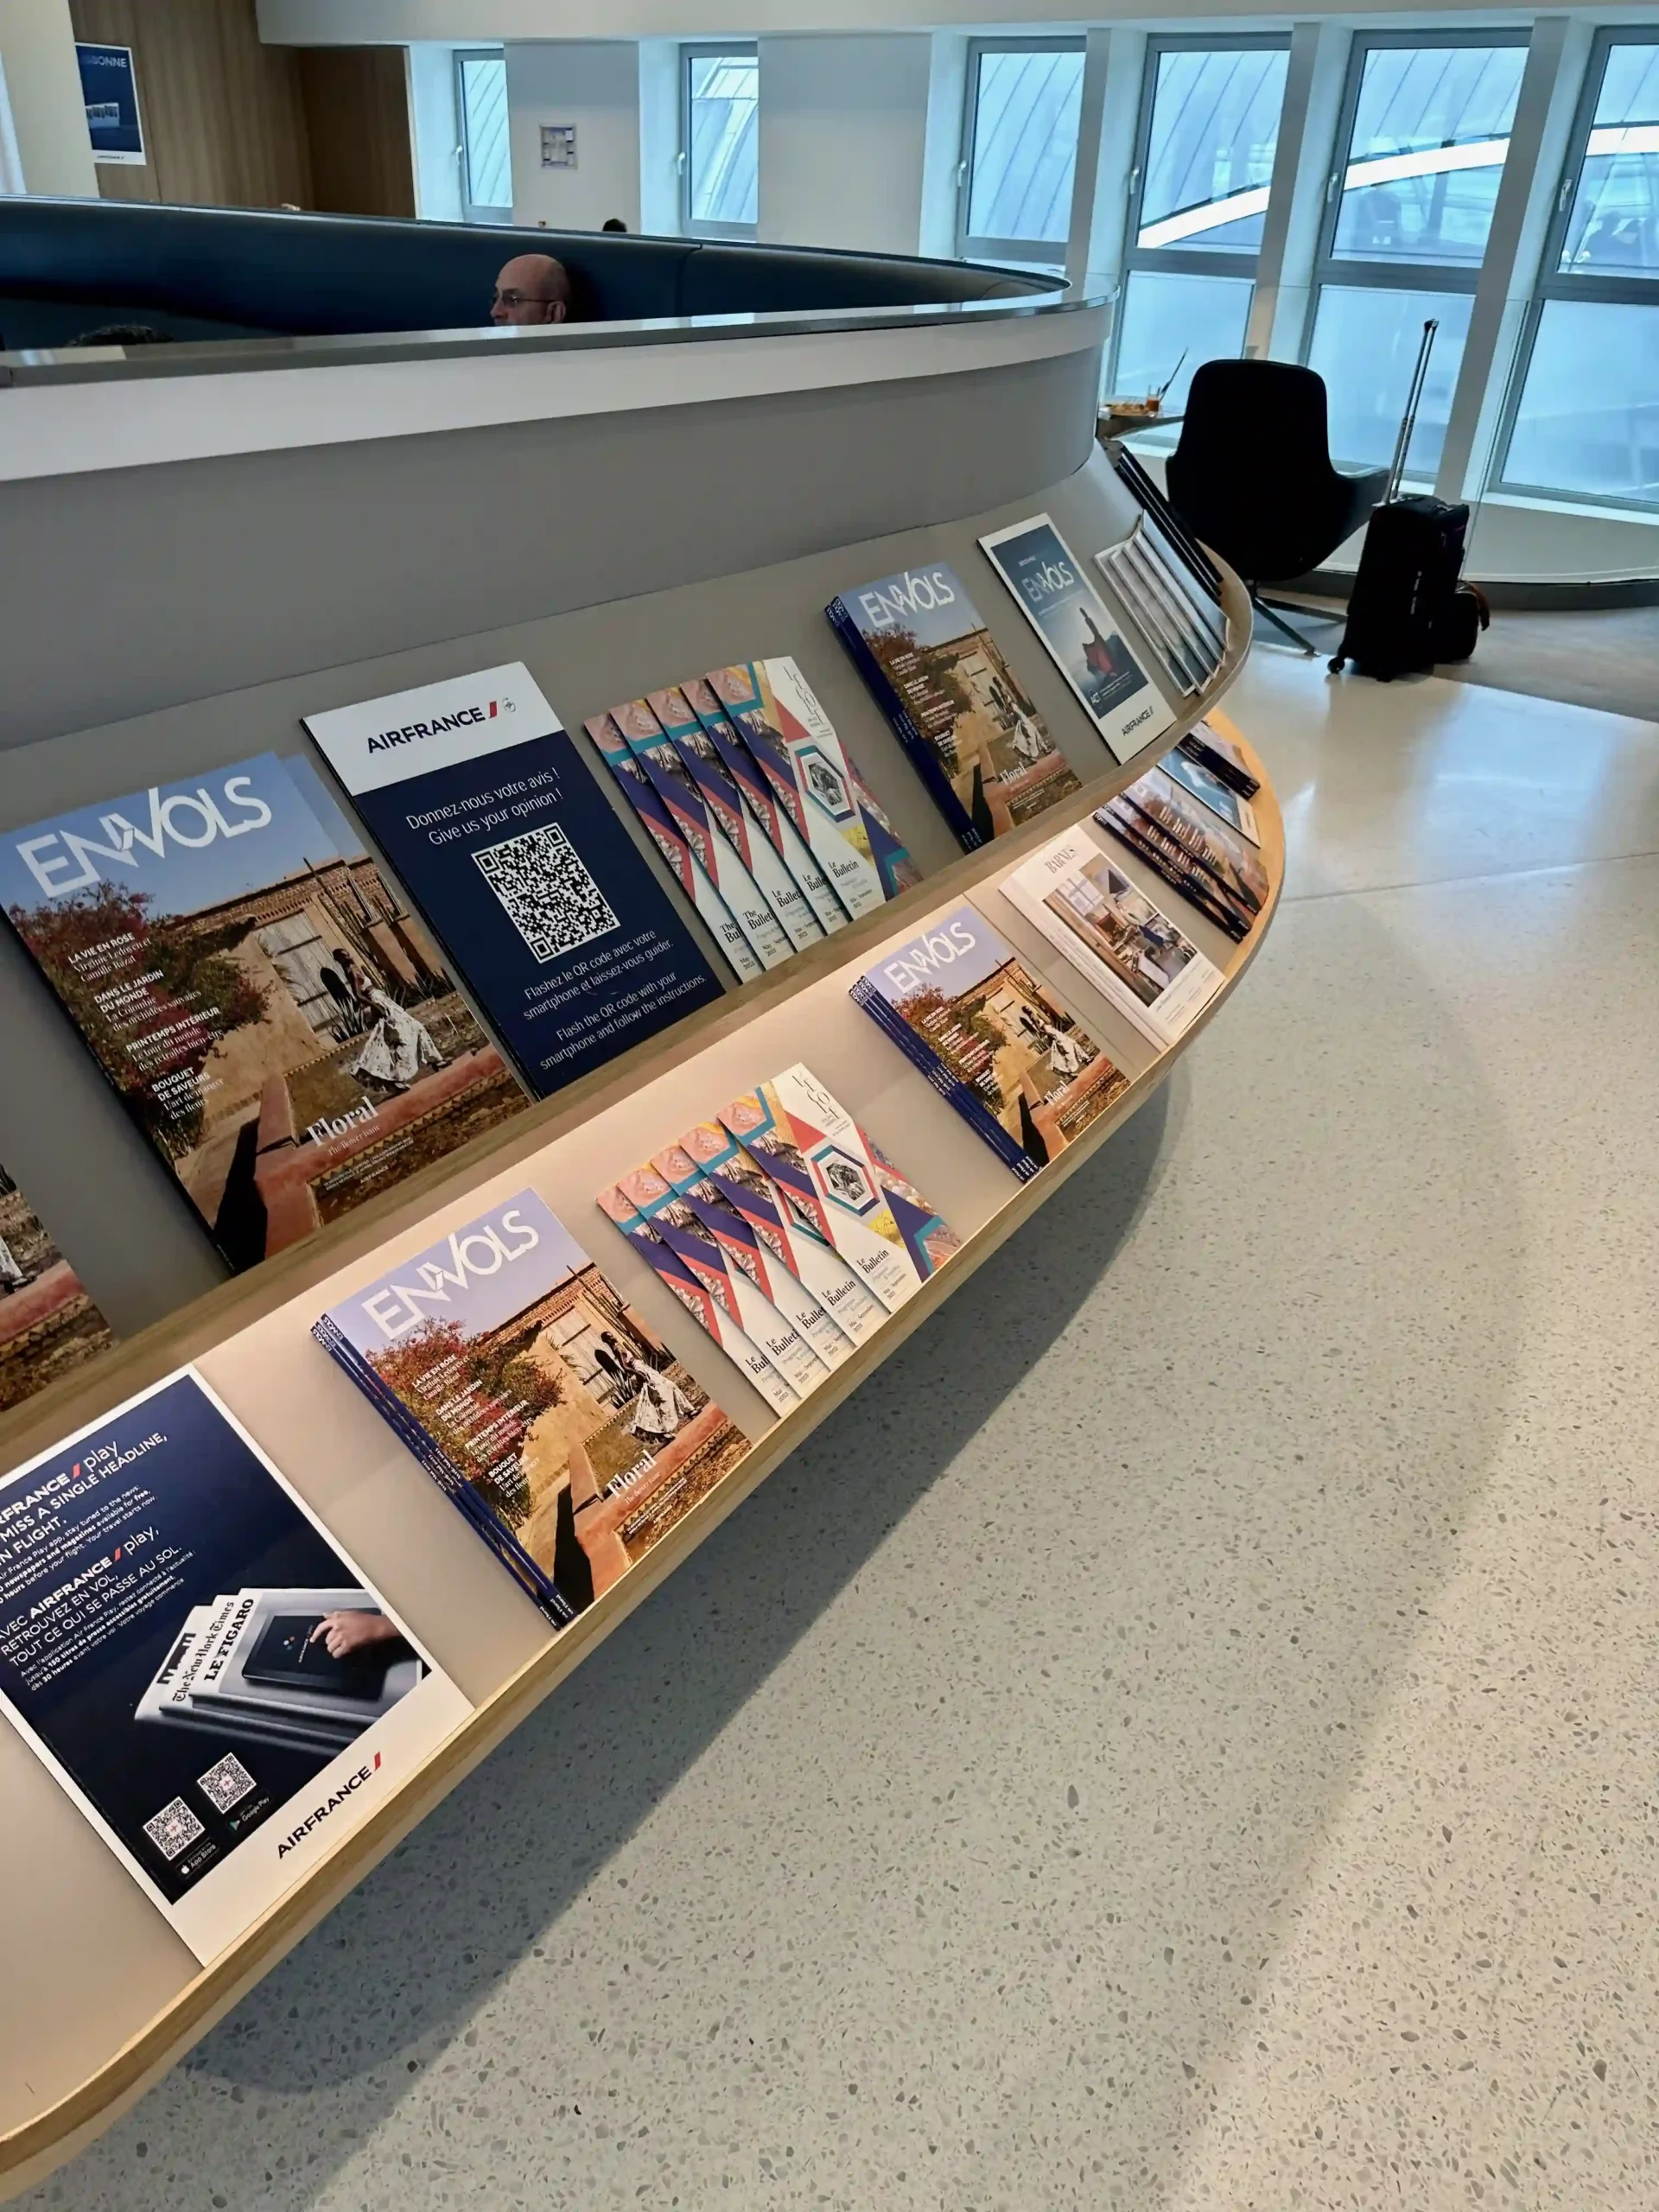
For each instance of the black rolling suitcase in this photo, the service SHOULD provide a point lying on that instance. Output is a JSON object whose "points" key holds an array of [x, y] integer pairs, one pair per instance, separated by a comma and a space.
{"points": [[1409, 609]]}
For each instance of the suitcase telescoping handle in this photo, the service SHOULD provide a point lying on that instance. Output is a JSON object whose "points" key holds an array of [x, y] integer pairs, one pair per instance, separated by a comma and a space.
{"points": [[1409, 422]]}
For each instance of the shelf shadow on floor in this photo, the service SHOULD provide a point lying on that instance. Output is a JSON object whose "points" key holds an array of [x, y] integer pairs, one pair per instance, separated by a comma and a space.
{"points": [[418, 1947]]}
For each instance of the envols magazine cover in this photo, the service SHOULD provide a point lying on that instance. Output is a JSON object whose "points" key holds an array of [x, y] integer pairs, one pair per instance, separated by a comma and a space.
{"points": [[1083, 638], [573, 1436], [275, 1021], [47, 1322], [967, 1011], [954, 703], [223, 1693]]}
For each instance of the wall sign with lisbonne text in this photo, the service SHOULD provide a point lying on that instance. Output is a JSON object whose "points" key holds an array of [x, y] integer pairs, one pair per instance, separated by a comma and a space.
{"points": [[109, 85]]}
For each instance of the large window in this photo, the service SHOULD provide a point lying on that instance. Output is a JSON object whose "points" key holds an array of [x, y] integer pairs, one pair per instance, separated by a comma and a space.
{"points": [[1587, 417], [1209, 130], [1425, 130], [1024, 97], [720, 141], [483, 154]]}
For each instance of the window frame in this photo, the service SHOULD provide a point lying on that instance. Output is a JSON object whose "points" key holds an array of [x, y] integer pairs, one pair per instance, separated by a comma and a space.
{"points": [[1351, 272], [692, 51], [1555, 283], [472, 211], [1041, 253], [1191, 261], [1179, 261]]}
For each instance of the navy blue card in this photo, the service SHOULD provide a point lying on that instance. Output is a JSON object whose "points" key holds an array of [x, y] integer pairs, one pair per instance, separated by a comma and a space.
{"points": [[521, 868]]}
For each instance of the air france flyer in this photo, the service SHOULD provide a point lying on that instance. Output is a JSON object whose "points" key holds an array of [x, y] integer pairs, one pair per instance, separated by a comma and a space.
{"points": [[212, 1682], [522, 868]]}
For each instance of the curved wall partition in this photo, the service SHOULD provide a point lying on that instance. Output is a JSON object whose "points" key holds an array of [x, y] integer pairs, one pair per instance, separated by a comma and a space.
{"points": [[69, 265], [236, 512]]}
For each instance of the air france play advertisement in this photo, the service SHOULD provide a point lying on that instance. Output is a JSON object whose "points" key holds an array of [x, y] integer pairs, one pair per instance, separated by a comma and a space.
{"points": [[211, 1678], [481, 803]]}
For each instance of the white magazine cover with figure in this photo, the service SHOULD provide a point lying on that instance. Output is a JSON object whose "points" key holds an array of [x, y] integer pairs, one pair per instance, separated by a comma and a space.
{"points": [[1115, 936]]}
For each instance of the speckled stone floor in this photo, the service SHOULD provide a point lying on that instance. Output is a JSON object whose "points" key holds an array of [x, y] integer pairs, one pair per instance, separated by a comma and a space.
{"points": [[1184, 1736]]}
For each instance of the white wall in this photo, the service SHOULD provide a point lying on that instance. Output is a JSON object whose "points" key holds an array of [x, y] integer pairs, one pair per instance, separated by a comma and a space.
{"points": [[48, 114], [436, 130], [594, 84], [843, 141]]}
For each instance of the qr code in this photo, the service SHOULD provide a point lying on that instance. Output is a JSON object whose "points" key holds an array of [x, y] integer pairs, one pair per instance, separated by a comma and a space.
{"points": [[173, 1830], [227, 1783], [549, 896]]}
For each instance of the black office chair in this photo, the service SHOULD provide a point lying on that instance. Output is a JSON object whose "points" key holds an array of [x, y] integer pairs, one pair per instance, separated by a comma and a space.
{"points": [[1252, 477]]}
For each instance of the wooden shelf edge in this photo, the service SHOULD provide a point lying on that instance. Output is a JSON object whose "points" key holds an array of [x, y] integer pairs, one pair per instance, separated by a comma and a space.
{"points": [[37, 2146]]}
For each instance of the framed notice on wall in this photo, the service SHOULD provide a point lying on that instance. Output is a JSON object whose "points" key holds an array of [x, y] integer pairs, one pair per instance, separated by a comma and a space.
{"points": [[109, 85]]}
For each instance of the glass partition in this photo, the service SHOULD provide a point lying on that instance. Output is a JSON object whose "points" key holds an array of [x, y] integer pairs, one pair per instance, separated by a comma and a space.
{"points": [[1170, 321]]}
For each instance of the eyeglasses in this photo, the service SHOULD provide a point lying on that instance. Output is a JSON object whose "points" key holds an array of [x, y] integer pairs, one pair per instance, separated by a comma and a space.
{"points": [[510, 299]]}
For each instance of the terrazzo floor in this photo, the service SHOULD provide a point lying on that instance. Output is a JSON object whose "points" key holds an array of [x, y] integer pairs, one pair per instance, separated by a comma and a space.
{"points": [[1184, 1736]]}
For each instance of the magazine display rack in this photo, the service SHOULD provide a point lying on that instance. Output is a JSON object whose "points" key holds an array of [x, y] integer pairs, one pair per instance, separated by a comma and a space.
{"points": [[99, 1998]]}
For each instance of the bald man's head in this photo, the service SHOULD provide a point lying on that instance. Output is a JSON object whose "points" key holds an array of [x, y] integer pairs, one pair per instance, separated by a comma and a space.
{"points": [[532, 288]]}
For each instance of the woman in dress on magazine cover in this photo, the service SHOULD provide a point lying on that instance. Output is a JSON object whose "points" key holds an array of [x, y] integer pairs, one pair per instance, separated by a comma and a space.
{"points": [[663, 1409], [398, 1046]]}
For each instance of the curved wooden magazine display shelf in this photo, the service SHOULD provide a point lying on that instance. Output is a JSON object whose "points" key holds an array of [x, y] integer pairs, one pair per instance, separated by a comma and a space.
{"points": [[216, 1324]]}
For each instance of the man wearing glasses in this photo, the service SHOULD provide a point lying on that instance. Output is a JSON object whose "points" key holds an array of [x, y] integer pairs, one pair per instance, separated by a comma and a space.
{"points": [[533, 288]]}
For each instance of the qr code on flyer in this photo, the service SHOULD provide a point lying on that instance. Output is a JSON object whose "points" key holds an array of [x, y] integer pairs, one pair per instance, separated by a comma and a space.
{"points": [[549, 896], [173, 1830], [227, 1783]]}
